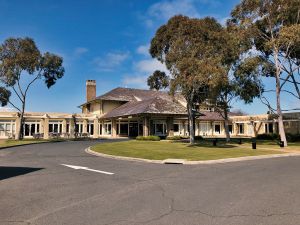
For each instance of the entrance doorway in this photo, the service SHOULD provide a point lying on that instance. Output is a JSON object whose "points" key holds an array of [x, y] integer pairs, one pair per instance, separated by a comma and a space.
{"points": [[133, 129]]}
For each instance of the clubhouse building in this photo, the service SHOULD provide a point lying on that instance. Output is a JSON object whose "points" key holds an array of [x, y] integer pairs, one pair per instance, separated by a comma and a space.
{"points": [[127, 112]]}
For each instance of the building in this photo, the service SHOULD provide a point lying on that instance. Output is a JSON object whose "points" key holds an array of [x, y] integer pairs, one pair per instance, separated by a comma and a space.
{"points": [[127, 112]]}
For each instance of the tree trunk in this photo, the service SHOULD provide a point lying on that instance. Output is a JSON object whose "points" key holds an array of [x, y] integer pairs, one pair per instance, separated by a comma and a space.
{"points": [[20, 131], [191, 119], [226, 123], [278, 103], [280, 117]]}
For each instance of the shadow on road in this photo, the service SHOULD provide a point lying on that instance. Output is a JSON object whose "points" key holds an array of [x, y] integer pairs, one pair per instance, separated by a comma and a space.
{"points": [[8, 172]]}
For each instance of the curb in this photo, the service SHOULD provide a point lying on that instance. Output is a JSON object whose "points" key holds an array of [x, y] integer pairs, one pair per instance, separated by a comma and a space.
{"points": [[207, 162]]}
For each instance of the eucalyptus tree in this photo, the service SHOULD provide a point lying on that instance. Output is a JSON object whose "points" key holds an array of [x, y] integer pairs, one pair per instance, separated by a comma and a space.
{"points": [[158, 80], [233, 86], [184, 46], [273, 26], [21, 61]]}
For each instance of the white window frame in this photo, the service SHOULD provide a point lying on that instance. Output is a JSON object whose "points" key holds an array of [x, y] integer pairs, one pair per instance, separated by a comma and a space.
{"points": [[217, 123], [164, 124], [5, 131], [30, 123]]}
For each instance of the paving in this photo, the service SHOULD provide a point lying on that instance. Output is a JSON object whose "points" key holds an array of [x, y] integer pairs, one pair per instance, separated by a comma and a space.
{"points": [[37, 188]]}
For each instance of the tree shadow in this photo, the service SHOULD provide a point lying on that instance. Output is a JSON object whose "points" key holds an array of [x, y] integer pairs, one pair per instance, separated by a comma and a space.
{"points": [[8, 172]]}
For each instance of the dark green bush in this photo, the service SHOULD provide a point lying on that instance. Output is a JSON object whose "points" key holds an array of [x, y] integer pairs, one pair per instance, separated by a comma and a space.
{"points": [[199, 138], [267, 137], [293, 137], [148, 138]]}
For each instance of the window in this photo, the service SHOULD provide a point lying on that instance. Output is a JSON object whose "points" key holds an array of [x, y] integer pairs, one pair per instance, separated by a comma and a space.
{"points": [[7, 128], [160, 128], [123, 129], [100, 129], [176, 127], [55, 126], [79, 127], [68, 128], [107, 128], [270, 128], [230, 128], [203, 129], [217, 128], [241, 128], [88, 107], [30, 128], [90, 128]]}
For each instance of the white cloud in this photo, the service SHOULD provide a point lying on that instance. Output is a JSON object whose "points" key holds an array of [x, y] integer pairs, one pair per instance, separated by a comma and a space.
{"points": [[110, 61], [163, 10], [80, 51], [167, 9], [141, 71], [149, 66], [136, 81], [143, 50]]}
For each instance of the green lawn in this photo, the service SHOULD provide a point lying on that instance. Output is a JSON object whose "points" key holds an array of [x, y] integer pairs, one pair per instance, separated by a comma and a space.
{"points": [[9, 143], [161, 150]]}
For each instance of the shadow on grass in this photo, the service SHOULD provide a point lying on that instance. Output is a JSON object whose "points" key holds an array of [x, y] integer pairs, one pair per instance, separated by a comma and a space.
{"points": [[8, 172]]}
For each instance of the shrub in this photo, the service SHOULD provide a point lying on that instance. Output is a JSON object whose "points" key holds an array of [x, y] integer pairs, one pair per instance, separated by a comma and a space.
{"points": [[174, 138], [199, 138], [148, 138], [293, 137], [267, 137]]}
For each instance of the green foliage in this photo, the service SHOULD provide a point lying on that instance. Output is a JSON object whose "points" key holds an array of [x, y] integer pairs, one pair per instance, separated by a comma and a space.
{"points": [[158, 80], [293, 137], [4, 96], [190, 49], [148, 138], [173, 138], [199, 138], [20, 56], [267, 137]]}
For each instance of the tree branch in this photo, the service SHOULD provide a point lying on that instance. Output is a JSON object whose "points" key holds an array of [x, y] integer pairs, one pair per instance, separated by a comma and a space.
{"points": [[14, 106]]}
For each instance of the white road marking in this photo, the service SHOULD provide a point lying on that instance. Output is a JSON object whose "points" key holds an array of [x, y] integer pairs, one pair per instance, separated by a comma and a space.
{"points": [[86, 168]]}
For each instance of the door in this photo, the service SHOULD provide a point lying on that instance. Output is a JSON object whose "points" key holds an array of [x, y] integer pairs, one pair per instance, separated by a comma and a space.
{"points": [[133, 129]]}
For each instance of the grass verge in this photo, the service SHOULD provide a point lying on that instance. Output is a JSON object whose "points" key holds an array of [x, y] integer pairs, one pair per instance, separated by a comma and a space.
{"points": [[165, 149]]}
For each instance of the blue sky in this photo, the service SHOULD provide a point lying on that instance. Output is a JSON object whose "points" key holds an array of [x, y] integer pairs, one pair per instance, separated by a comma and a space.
{"points": [[104, 40]]}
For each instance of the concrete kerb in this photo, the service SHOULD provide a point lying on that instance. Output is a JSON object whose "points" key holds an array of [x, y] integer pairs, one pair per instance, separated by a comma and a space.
{"points": [[185, 162]]}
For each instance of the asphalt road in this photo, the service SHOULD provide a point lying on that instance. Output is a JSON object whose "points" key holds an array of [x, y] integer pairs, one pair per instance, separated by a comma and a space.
{"points": [[36, 189]]}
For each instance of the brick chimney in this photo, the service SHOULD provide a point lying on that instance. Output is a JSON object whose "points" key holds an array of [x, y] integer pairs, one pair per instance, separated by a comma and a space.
{"points": [[90, 90]]}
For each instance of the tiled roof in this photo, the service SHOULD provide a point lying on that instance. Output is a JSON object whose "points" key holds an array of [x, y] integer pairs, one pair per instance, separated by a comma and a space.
{"points": [[132, 94], [156, 105]]}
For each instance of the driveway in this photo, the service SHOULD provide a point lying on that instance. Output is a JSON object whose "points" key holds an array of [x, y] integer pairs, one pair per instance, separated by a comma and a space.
{"points": [[35, 188]]}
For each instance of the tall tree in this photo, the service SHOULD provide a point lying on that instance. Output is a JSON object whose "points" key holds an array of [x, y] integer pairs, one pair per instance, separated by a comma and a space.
{"points": [[20, 57], [274, 28], [232, 87], [183, 44]]}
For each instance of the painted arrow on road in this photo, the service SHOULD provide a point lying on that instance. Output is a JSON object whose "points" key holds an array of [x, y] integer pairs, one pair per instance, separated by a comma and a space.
{"points": [[86, 168]]}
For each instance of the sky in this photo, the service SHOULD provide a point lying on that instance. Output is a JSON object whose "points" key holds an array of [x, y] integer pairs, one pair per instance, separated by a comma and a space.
{"points": [[105, 40]]}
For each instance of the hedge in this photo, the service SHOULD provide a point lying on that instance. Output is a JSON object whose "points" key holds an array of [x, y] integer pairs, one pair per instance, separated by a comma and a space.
{"points": [[148, 138], [267, 137]]}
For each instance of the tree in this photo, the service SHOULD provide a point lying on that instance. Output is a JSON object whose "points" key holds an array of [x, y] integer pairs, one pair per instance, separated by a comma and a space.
{"points": [[20, 57], [273, 26], [226, 92], [234, 45], [158, 80], [183, 44]]}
